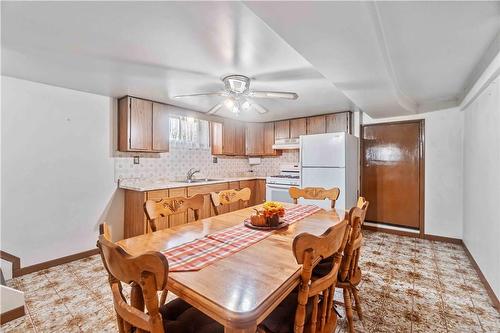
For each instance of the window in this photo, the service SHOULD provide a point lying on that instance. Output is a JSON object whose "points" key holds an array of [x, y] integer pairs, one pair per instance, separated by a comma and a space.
{"points": [[189, 132]]}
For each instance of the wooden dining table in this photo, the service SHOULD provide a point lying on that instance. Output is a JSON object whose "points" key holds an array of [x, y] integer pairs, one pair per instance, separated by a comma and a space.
{"points": [[241, 290]]}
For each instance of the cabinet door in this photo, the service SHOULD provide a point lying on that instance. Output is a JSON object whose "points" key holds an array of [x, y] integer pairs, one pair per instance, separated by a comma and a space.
{"points": [[269, 139], [161, 222], [181, 218], [161, 127], [141, 124], [338, 122], [207, 209], [298, 127], [282, 129], [216, 138], [251, 185], [316, 125], [236, 205], [260, 191], [255, 139], [228, 137], [240, 139]]}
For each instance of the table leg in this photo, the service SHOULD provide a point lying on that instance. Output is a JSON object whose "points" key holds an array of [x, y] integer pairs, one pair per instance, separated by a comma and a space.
{"points": [[250, 329]]}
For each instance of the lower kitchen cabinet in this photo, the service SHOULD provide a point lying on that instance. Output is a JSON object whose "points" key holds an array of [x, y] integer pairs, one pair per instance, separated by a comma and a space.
{"points": [[135, 221]]}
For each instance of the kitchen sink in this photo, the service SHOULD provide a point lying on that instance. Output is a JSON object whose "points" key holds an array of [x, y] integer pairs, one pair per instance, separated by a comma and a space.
{"points": [[202, 180]]}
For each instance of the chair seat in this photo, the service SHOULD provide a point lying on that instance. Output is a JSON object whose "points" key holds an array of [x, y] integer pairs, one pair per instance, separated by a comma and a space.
{"points": [[282, 319], [180, 317]]}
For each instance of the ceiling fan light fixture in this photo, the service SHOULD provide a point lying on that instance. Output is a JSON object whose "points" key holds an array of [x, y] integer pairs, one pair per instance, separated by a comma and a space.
{"points": [[237, 84], [229, 103], [245, 105]]}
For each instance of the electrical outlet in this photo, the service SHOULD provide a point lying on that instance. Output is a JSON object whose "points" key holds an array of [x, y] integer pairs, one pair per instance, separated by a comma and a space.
{"points": [[136, 159], [214, 159]]}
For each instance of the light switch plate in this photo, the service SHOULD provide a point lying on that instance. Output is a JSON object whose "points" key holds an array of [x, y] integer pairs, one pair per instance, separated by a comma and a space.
{"points": [[136, 159]]}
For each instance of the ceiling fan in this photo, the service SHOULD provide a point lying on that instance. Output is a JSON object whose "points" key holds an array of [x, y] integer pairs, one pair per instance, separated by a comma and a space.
{"points": [[238, 93]]}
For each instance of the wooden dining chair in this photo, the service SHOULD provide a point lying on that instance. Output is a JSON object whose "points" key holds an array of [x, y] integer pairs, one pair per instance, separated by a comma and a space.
{"points": [[147, 274], [172, 205], [314, 193], [228, 197], [311, 309], [350, 273]]}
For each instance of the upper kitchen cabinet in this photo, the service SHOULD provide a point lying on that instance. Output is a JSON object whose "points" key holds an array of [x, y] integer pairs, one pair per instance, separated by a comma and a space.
{"points": [[228, 138], [316, 125], [339, 122], [298, 127], [282, 129], [269, 139], [143, 126], [255, 139]]}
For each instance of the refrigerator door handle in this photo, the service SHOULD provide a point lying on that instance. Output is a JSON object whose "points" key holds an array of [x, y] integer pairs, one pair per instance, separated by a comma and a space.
{"points": [[279, 186]]}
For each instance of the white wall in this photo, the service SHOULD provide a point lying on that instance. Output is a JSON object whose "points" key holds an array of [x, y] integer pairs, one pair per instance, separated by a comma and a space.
{"points": [[57, 170], [482, 182], [443, 169]]}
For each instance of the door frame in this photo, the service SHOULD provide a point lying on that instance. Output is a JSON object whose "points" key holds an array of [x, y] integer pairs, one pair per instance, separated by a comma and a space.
{"points": [[421, 167]]}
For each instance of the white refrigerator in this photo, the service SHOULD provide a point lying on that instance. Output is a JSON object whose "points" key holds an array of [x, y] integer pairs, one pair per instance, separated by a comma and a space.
{"points": [[330, 160]]}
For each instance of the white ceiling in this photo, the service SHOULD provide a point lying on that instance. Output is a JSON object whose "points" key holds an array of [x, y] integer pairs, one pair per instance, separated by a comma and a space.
{"points": [[388, 58]]}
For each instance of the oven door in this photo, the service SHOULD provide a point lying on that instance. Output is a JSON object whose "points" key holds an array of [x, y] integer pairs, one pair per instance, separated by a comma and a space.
{"points": [[276, 192]]}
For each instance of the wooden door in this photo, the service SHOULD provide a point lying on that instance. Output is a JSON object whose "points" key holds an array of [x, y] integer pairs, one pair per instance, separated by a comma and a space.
{"points": [[141, 123], [316, 125], [228, 137], [254, 139], [269, 139], [338, 122], [298, 127], [161, 127], [282, 129], [392, 160]]}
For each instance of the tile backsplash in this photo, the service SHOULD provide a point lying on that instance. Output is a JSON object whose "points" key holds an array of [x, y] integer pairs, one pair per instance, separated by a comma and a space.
{"points": [[175, 164]]}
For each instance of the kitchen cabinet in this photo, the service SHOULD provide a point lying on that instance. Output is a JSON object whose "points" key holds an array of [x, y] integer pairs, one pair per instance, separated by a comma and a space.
{"points": [[339, 122], [254, 139], [298, 127], [316, 125], [251, 185], [260, 191], [269, 140], [143, 126], [207, 209], [234, 186], [282, 129], [228, 138]]}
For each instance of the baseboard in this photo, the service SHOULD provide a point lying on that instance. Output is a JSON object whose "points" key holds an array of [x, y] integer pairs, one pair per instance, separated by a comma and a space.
{"points": [[54, 262], [489, 290], [12, 314], [443, 239], [400, 232]]}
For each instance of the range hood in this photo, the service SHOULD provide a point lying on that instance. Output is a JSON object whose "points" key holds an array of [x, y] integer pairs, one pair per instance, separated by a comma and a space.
{"points": [[286, 144]]}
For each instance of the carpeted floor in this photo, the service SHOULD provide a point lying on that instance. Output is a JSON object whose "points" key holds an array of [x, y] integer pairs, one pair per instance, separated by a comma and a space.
{"points": [[409, 285]]}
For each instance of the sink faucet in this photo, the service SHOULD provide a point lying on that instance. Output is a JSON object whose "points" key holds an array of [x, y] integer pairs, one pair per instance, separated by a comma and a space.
{"points": [[191, 173]]}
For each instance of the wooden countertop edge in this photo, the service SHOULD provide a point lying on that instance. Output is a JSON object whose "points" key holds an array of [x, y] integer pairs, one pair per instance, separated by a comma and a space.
{"points": [[180, 184]]}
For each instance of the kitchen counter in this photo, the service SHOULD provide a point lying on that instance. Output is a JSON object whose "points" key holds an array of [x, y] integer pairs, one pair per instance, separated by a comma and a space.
{"points": [[143, 185]]}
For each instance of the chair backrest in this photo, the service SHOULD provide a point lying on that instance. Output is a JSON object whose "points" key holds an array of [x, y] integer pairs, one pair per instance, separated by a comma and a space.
{"points": [[315, 193], [363, 204], [228, 197], [352, 251], [173, 205], [309, 250], [147, 274]]}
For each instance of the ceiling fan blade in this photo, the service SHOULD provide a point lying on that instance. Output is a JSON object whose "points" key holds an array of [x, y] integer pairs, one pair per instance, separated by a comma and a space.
{"points": [[220, 93], [214, 109], [273, 94], [259, 108]]}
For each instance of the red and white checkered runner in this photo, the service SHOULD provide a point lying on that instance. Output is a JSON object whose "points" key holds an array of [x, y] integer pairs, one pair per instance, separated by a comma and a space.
{"points": [[202, 252]]}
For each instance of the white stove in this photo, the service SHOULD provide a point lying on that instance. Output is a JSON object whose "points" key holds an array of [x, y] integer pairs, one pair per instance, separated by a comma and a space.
{"points": [[277, 186]]}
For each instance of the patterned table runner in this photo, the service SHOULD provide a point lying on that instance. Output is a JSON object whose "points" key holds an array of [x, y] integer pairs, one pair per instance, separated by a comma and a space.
{"points": [[202, 252]]}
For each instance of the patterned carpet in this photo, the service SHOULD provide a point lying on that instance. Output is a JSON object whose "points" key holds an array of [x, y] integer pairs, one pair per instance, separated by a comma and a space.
{"points": [[409, 285]]}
